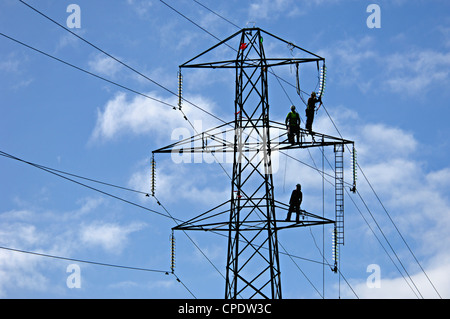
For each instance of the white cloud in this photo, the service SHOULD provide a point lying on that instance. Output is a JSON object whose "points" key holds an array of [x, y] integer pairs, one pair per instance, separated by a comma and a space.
{"points": [[69, 40], [186, 182], [20, 233], [104, 65], [14, 65], [411, 72], [54, 233], [21, 271], [140, 115], [10, 65], [141, 7], [112, 237], [270, 9], [349, 56], [263, 9], [397, 288], [417, 71], [389, 142], [439, 179]]}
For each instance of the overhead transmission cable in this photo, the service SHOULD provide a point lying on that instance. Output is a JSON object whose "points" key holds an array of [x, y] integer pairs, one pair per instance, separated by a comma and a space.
{"points": [[118, 61], [386, 212], [60, 174], [54, 172], [96, 47], [85, 71], [109, 81], [166, 272], [220, 16], [49, 169], [83, 260]]}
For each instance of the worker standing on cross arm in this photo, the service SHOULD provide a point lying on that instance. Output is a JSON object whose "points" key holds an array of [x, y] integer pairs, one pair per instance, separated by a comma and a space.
{"points": [[295, 202], [311, 109], [293, 125]]}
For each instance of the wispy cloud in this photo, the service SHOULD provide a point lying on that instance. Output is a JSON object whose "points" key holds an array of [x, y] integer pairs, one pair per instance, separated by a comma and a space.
{"points": [[141, 7], [140, 116], [104, 65], [360, 63], [111, 237], [15, 66], [417, 71], [55, 233], [265, 9]]}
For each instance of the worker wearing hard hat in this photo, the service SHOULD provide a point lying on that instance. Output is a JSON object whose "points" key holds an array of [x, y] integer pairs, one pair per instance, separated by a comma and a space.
{"points": [[311, 109], [293, 125]]}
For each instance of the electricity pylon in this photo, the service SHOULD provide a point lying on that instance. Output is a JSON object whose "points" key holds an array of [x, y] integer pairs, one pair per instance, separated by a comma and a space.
{"points": [[250, 216]]}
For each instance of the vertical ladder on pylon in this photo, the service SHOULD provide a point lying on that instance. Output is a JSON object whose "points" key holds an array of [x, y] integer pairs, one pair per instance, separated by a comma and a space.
{"points": [[339, 192]]}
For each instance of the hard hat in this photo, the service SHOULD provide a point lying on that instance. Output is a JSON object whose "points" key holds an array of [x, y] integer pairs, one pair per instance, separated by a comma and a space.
{"points": [[293, 107], [313, 94]]}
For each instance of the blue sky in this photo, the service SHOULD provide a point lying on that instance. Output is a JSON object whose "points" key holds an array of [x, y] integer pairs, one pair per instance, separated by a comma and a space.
{"points": [[386, 90]]}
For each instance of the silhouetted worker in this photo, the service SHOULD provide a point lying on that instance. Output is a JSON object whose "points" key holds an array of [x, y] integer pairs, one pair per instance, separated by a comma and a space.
{"points": [[295, 202], [293, 125], [310, 109]]}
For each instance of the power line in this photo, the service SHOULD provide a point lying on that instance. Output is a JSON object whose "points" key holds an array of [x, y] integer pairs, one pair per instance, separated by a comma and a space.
{"points": [[119, 61], [385, 210], [54, 171], [190, 20], [381, 244], [51, 171], [401, 236], [329, 265], [178, 279], [86, 71], [94, 46], [176, 222], [220, 16], [169, 215], [83, 260], [375, 223], [166, 272]]}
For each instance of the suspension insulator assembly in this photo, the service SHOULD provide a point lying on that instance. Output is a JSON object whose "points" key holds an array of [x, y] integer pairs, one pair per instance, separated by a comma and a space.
{"points": [[153, 168]]}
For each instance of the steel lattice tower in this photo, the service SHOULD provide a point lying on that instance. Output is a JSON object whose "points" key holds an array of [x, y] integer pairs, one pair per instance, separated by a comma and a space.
{"points": [[249, 217], [252, 195]]}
